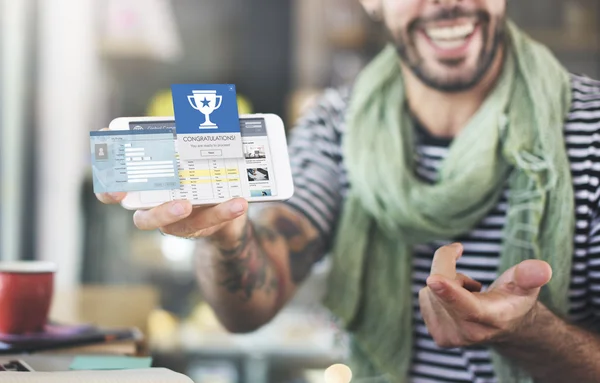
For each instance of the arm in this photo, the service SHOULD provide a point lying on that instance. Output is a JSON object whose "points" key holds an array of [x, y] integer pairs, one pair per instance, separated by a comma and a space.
{"points": [[552, 350], [249, 277], [248, 280]]}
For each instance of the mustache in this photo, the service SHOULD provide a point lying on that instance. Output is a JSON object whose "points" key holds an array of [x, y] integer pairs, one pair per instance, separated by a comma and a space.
{"points": [[450, 14]]}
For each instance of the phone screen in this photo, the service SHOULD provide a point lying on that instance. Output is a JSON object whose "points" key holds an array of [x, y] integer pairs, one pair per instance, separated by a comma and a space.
{"points": [[221, 179]]}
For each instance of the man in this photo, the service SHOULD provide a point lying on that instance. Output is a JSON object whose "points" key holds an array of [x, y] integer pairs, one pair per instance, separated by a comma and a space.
{"points": [[463, 131]]}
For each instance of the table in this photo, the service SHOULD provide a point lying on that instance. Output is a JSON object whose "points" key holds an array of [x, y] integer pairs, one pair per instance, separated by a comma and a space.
{"points": [[296, 338]]}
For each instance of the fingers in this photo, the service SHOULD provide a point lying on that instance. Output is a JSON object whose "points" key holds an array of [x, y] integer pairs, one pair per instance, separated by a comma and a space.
{"points": [[444, 260], [532, 274], [178, 217], [524, 279], [454, 297], [202, 219], [162, 215], [527, 277], [468, 283], [110, 198]]}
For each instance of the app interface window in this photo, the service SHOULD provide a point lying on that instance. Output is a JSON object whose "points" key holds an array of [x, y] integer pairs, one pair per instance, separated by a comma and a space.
{"points": [[214, 178], [133, 160]]}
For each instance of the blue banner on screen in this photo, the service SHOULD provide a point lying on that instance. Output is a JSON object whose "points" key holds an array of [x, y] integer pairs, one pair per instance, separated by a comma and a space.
{"points": [[207, 120]]}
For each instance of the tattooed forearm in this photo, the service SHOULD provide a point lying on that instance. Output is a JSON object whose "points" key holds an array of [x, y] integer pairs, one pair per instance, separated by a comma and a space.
{"points": [[275, 230], [262, 269], [245, 268], [303, 250]]}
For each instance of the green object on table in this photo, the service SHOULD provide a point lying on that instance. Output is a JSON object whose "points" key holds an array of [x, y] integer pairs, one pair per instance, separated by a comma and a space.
{"points": [[109, 363]]}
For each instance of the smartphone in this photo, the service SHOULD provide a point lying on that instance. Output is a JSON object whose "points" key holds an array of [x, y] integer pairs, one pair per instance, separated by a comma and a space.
{"points": [[263, 174]]}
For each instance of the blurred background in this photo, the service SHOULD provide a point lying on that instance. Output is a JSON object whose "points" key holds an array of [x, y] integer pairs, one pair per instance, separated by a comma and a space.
{"points": [[68, 67]]}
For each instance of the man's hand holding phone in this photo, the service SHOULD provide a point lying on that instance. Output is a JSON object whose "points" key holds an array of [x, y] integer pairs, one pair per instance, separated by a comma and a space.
{"points": [[223, 222], [242, 268]]}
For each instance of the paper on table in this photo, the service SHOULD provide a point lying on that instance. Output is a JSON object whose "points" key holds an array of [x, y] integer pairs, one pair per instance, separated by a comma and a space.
{"points": [[149, 375]]}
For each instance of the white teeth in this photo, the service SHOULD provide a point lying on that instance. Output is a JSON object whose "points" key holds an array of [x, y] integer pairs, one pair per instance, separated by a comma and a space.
{"points": [[450, 33], [449, 44]]}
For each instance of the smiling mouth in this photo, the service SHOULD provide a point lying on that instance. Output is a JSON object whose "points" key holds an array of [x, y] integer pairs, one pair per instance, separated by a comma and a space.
{"points": [[451, 36]]}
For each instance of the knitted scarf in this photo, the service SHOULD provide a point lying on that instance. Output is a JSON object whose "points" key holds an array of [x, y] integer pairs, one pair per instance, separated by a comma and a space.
{"points": [[516, 136]]}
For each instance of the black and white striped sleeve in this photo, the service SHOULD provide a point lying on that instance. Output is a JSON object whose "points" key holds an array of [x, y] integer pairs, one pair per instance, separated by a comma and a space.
{"points": [[584, 150], [315, 156]]}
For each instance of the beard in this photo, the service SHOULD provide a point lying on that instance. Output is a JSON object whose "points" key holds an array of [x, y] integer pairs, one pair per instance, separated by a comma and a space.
{"points": [[408, 52]]}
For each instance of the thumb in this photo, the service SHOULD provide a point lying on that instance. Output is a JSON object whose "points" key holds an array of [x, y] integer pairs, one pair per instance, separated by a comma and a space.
{"points": [[532, 274], [528, 277]]}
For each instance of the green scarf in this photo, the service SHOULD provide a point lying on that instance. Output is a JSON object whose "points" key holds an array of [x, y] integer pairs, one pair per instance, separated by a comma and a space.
{"points": [[516, 136]]}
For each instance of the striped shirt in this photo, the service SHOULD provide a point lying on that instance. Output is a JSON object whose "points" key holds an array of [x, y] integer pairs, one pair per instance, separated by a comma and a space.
{"points": [[321, 185]]}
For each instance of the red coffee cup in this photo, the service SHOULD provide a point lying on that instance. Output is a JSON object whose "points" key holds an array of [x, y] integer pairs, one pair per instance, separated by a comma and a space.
{"points": [[25, 296]]}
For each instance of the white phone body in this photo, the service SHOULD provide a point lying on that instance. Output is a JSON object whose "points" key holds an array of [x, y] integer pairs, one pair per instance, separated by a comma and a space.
{"points": [[265, 161]]}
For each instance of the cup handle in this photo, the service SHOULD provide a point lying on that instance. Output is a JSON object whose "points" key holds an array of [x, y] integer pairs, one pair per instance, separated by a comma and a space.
{"points": [[190, 99], [220, 98]]}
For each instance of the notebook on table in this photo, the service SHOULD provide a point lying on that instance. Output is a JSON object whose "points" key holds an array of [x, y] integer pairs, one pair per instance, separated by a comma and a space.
{"points": [[56, 337]]}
